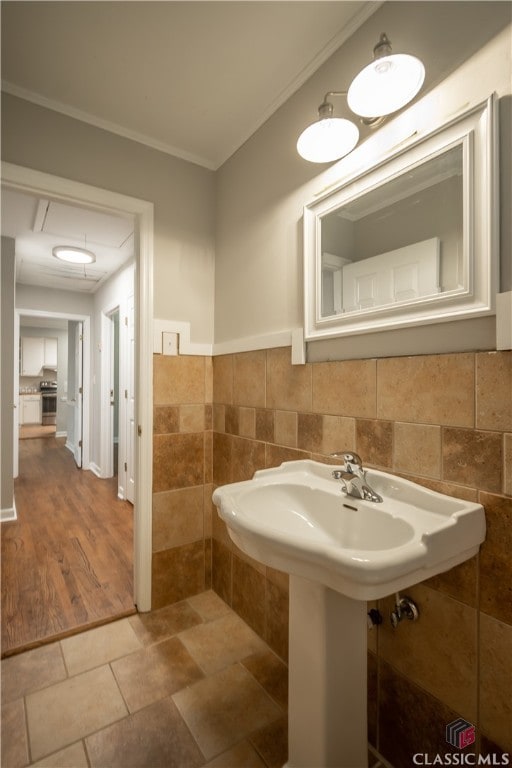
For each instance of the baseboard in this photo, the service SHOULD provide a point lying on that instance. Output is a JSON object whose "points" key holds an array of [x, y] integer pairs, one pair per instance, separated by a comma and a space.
{"points": [[95, 469], [61, 434], [9, 513]]}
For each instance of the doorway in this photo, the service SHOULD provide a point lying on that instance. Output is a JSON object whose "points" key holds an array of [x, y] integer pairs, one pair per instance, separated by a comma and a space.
{"points": [[74, 566], [72, 373], [41, 184]]}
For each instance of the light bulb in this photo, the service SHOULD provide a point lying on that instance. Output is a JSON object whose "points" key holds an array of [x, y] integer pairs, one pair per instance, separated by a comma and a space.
{"points": [[328, 139], [386, 85]]}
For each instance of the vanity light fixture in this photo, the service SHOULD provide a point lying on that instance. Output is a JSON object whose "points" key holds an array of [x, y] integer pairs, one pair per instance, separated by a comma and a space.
{"points": [[330, 137], [385, 85], [73, 255]]}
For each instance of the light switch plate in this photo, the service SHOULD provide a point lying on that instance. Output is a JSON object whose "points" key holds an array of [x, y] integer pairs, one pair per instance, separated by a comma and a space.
{"points": [[169, 343]]}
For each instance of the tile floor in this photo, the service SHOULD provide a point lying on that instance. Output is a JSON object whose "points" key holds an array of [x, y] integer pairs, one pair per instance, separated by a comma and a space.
{"points": [[186, 686]]}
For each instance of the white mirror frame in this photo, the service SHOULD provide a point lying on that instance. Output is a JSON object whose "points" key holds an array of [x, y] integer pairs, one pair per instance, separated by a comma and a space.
{"points": [[476, 131]]}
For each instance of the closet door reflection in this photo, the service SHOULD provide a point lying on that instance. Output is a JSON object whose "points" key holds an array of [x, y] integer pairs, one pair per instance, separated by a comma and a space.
{"points": [[400, 242]]}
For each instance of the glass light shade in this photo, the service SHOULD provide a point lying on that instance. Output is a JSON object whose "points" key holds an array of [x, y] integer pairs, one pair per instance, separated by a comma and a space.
{"points": [[385, 85], [73, 255], [327, 140]]}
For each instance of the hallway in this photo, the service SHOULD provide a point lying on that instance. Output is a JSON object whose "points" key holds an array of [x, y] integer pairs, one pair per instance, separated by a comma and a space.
{"points": [[67, 561]]}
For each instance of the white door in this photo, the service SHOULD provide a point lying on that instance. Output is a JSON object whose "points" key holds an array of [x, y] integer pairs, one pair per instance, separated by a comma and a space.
{"points": [[400, 275], [130, 410], [17, 399], [78, 393], [115, 361]]}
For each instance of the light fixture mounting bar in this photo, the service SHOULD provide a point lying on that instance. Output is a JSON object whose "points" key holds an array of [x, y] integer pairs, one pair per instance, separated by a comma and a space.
{"points": [[335, 93], [383, 47], [326, 109]]}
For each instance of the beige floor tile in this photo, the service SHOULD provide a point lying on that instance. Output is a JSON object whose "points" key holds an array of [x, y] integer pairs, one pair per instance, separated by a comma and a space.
{"points": [[242, 756], [14, 752], [159, 625], [207, 642], [70, 757], [99, 646], [63, 713], [209, 605], [154, 737], [223, 709], [155, 672], [271, 741], [32, 670], [271, 673]]}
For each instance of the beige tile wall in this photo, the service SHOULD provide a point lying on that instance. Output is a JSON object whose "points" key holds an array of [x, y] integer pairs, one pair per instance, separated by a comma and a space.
{"points": [[445, 421], [182, 477]]}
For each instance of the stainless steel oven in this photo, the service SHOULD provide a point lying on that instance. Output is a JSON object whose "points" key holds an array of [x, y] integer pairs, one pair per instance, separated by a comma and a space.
{"points": [[48, 402]]}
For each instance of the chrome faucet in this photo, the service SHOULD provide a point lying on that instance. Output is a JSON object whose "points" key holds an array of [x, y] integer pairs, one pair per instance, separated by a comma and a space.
{"points": [[353, 477]]}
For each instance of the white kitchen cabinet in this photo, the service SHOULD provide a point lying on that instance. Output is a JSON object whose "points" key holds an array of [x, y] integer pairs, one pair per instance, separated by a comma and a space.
{"points": [[37, 352], [30, 409], [50, 353], [32, 355]]}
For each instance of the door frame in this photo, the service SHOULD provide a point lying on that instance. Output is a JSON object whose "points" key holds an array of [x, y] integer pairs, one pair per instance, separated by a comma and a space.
{"points": [[30, 181], [86, 373], [107, 365], [107, 426], [78, 399]]}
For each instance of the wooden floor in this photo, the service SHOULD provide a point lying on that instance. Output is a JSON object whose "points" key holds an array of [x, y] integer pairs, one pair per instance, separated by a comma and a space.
{"points": [[28, 431], [67, 561]]}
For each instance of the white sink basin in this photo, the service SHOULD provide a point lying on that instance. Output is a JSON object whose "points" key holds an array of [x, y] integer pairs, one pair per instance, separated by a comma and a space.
{"points": [[296, 518]]}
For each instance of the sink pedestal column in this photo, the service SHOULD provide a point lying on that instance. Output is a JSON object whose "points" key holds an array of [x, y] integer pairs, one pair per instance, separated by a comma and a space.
{"points": [[327, 667]]}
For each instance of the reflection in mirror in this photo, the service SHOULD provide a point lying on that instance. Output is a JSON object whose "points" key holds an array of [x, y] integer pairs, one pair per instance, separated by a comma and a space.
{"points": [[397, 243]]}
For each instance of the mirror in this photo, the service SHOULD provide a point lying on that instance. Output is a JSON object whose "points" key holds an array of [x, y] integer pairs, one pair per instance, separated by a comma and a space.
{"points": [[410, 241], [398, 242]]}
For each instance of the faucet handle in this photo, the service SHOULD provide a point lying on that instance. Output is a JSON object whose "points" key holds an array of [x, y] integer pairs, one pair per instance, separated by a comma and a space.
{"points": [[350, 459]]}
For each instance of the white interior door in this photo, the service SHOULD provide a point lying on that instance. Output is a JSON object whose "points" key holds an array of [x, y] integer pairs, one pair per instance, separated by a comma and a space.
{"points": [[17, 403], [111, 399], [400, 275], [113, 426], [130, 410], [78, 394]]}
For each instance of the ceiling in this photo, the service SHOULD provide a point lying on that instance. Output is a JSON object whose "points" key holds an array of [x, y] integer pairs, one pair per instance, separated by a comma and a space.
{"points": [[193, 79], [38, 225]]}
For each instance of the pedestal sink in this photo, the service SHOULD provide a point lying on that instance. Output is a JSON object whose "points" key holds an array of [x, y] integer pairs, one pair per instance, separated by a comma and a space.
{"points": [[340, 552]]}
